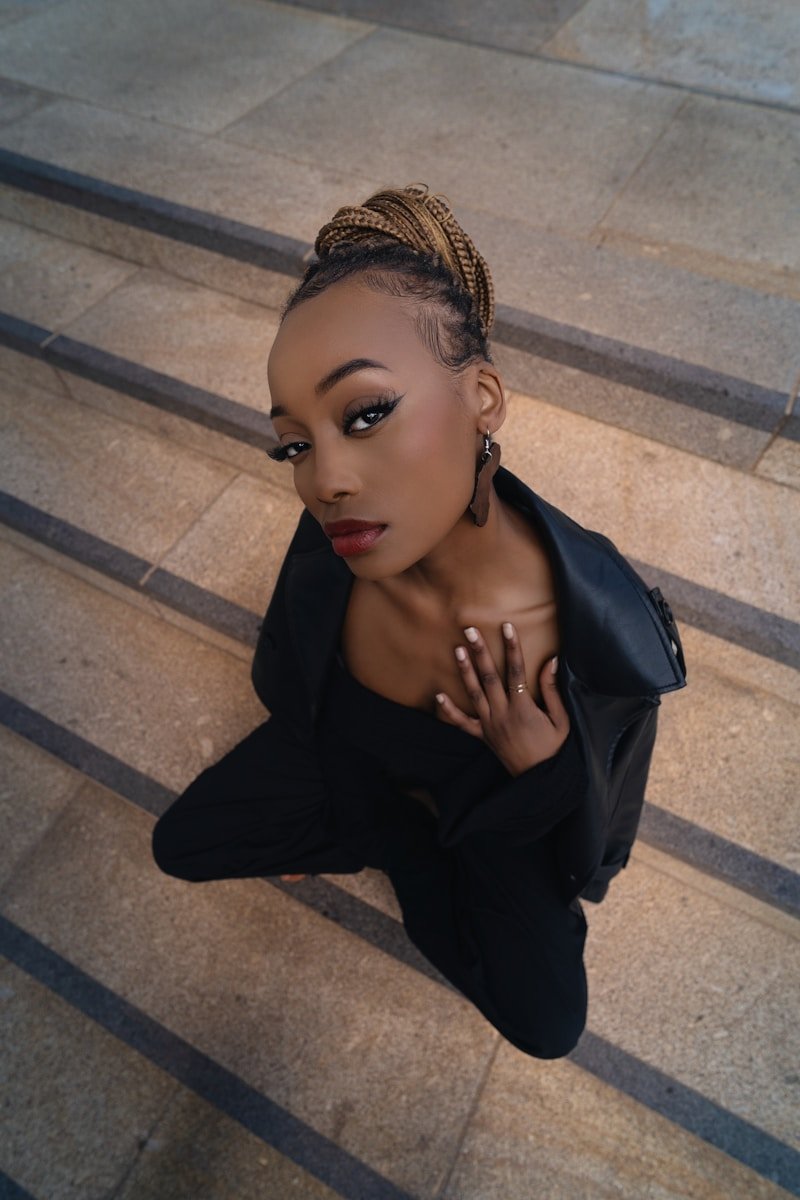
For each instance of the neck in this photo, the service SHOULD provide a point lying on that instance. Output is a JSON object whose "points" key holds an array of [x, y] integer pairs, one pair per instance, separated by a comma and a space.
{"points": [[465, 568]]}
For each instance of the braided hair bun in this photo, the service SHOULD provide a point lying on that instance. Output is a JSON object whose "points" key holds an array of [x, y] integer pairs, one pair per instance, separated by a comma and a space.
{"points": [[425, 224]]}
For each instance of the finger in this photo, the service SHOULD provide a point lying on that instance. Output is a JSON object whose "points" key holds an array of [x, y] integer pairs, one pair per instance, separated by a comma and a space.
{"points": [[515, 662], [483, 670], [452, 714], [472, 686], [556, 709]]}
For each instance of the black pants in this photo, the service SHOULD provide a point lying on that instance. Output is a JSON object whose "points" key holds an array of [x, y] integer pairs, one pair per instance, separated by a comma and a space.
{"points": [[486, 913]]}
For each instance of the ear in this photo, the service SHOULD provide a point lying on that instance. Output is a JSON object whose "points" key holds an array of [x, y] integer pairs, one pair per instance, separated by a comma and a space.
{"points": [[491, 397]]}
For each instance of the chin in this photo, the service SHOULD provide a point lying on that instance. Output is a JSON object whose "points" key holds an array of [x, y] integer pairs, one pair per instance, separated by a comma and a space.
{"points": [[367, 566]]}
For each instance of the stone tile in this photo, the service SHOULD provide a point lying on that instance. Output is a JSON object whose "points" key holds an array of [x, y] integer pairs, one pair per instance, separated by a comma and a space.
{"points": [[561, 140], [781, 462], [743, 747], [127, 594], [208, 442], [580, 1139], [751, 671], [106, 476], [16, 100], [639, 300], [17, 10], [519, 25], [143, 690], [50, 282], [29, 370], [718, 527], [700, 989], [373, 887], [681, 426], [696, 187], [205, 338], [297, 1007], [236, 548], [695, 880], [742, 49], [77, 1101], [34, 789], [194, 63], [148, 249], [266, 190], [198, 1152]]}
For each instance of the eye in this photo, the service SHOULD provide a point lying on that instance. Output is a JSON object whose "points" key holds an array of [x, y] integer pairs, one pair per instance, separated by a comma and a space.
{"points": [[290, 450], [371, 414]]}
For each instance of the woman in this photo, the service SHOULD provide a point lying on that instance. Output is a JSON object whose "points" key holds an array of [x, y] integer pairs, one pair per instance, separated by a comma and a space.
{"points": [[429, 613]]}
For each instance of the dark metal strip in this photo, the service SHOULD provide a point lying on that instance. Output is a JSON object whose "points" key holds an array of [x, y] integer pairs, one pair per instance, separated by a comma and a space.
{"points": [[229, 1094]]}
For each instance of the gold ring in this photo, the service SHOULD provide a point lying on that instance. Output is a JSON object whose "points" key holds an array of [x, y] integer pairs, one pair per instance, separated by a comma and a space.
{"points": [[521, 687]]}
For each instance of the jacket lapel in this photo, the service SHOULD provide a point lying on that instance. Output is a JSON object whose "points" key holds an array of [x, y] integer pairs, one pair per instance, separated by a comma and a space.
{"points": [[612, 634]]}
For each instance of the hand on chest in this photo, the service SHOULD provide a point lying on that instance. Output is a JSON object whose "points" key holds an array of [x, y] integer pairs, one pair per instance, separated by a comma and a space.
{"points": [[408, 658]]}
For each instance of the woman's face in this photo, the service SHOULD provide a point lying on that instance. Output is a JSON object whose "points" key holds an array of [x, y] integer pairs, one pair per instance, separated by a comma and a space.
{"points": [[376, 430]]}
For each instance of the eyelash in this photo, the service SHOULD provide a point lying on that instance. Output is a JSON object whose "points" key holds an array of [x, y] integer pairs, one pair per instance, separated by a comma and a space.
{"points": [[383, 405]]}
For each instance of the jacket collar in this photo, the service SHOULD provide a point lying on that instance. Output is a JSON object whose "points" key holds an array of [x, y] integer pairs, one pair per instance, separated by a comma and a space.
{"points": [[612, 638]]}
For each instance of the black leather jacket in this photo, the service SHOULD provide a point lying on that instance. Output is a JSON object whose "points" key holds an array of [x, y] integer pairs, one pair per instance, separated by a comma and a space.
{"points": [[619, 650]]}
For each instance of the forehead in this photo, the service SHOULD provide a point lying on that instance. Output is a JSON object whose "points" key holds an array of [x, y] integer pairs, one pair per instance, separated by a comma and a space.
{"points": [[346, 321]]}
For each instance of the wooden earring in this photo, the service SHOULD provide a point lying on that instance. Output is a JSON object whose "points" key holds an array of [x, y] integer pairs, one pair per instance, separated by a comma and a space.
{"points": [[488, 463]]}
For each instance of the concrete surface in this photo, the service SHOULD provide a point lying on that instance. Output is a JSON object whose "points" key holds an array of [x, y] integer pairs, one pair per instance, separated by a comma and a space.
{"points": [[358, 1021], [526, 1128], [129, 486], [626, 486], [93, 664], [214, 341], [745, 50], [85, 1100], [47, 786], [198, 65], [238, 563], [51, 282]]}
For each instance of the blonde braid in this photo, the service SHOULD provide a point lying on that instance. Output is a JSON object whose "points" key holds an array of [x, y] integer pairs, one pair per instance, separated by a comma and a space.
{"points": [[424, 223]]}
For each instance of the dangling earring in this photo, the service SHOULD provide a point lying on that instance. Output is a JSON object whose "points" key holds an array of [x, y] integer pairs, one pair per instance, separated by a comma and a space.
{"points": [[488, 463]]}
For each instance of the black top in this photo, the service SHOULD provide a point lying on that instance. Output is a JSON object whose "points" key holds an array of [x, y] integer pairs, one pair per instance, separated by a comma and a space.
{"points": [[404, 747]]}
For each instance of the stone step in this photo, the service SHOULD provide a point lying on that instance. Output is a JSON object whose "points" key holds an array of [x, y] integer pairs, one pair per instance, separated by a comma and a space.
{"points": [[749, 59], [93, 1114], [133, 359], [87, 914], [749, 845], [189, 536], [642, 358], [155, 349], [191, 349]]}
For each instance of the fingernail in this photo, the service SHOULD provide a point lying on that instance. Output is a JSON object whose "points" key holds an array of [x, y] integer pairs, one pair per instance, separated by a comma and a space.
{"points": [[508, 630], [471, 634], [440, 697], [554, 665], [461, 654]]}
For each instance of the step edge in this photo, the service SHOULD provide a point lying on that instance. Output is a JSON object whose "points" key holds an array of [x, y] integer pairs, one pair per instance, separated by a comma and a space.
{"points": [[668, 377], [703, 849], [195, 1070], [631, 1076]]}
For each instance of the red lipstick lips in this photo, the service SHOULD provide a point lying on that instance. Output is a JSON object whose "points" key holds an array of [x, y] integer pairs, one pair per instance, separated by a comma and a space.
{"points": [[353, 537]]}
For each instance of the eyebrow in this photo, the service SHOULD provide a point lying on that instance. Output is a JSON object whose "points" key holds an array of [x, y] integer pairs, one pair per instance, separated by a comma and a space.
{"points": [[335, 376]]}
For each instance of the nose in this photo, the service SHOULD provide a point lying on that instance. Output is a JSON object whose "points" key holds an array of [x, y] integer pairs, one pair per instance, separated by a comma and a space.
{"points": [[334, 476]]}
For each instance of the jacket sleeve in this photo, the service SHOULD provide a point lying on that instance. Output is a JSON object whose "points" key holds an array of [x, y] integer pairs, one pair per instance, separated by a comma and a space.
{"points": [[525, 806]]}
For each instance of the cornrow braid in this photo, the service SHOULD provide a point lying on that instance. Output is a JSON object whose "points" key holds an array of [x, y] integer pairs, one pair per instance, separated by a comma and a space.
{"points": [[408, 243]]}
